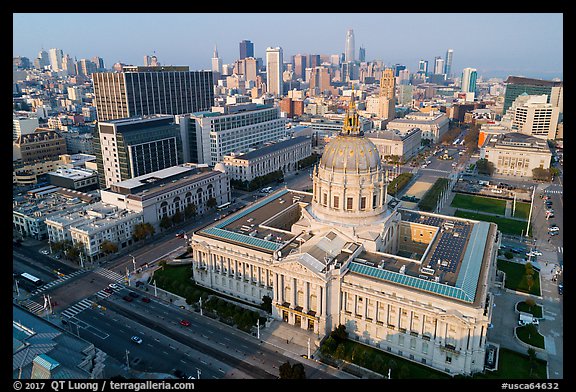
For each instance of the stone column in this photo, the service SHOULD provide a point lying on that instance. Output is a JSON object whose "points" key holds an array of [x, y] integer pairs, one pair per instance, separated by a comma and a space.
{"points": [[306, 304]]}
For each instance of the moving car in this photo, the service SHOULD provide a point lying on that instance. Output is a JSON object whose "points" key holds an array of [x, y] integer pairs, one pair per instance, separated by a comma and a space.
{"points": [[113, 285], [127, 298], [185, 323], [145, 299], [44, 252], [136, 339], [108, 290]]}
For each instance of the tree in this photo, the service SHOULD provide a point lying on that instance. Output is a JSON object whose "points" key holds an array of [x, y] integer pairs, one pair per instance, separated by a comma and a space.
{"points": [[177, 217], [190, 210], [108, 247], [288, 371], [541, 174], [530, 303], [165, 222], [266, 304], [509, 255], [339, 333], [483, 166], [529, 281], [211, 203], [142, 231], [162, 264]]}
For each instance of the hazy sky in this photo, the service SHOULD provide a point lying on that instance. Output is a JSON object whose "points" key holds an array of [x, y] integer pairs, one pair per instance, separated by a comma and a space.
{"points": [[499, 44]]}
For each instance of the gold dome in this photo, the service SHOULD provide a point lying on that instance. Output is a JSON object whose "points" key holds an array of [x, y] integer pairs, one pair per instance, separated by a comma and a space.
{"points": [[350, 154]]}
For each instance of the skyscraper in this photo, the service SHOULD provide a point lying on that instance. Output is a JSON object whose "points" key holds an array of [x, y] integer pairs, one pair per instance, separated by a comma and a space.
{"points": [[147, 60], [516, 85], [55, 56], [246, 49], [398, 68], [438, 65], [274, 65], [423, 66], [362, 54], [349, 49], [448, 63], [216, 62], [387, 99], [43, 59], [300, 66], [138, 91], [313, 60], [469, 76]]}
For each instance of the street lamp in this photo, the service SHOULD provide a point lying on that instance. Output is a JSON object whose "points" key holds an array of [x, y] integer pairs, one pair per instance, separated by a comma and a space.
{"points": [[200, 302], [133, 262], [258, 328], [308, 347], [155, 289]]}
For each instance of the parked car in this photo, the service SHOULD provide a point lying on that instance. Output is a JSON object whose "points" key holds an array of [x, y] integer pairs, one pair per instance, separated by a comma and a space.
{"points": [[44, 252]]}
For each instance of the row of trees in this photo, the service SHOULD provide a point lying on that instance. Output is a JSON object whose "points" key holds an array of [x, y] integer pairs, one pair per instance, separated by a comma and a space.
{"points": [[397, 184], [75, 251], [308, 161], [189, 212], [258, 182], [431, 198]]}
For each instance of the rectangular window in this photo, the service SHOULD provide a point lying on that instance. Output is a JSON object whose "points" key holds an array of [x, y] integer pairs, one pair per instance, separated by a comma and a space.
{"points": [[363, 203], [336, 202], [325, 199], [349, 203]]}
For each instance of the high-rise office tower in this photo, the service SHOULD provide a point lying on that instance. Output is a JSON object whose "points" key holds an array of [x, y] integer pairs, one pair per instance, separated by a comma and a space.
{"points": [[398, 68], [274, 69], [349, 49], [99, 62], [147, 60], [469, 76], [300, 66], [43, 59], [55, 55], [216, 62], [517, 85], [313, 60], [246, 49], [68, 65], [85, 67], [423, 66], [131, 147], [154, 61], [362, 54], [448, 63], [388, 84], [250, 69], [438, 65], [319, 80], [138, 91]]}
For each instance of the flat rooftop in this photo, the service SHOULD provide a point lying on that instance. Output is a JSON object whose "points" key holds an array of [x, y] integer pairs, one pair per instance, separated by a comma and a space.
{"points": [[263, 226], [274, 147], [450, 267]]}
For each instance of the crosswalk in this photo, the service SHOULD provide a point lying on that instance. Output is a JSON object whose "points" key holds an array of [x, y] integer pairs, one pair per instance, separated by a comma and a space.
{"points": [[32, 306], [560, 249], [553, 191], [77, 308], [57, 282], [114, 276]]}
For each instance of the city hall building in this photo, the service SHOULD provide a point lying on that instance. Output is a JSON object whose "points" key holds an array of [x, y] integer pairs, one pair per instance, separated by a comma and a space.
{"points": [[410, 283]]}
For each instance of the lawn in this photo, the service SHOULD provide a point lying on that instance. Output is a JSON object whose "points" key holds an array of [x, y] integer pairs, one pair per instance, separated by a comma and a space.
{"points": [[505, 225], [522, 210], [529, 334], [535, 310], [514, 366], [516, 277], [479, 203]]}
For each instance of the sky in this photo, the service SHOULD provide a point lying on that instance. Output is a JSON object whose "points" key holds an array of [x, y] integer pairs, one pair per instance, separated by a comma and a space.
{"points": [[496, 44]]}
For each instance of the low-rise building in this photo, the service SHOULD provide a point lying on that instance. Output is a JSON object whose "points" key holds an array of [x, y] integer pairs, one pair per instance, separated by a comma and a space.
{"points": [[30, 211], [393, 142], [165, 192], [43, 144], [94, 224], [77, 179], [516, 154], [433, 124], [283, 156]]}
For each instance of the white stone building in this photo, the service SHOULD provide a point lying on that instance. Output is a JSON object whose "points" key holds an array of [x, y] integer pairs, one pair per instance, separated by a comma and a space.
{"points": [[433, 124], [410, 283]]}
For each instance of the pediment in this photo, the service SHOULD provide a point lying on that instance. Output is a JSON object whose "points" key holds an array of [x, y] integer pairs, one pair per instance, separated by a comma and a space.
{"points": [[298, 265]]}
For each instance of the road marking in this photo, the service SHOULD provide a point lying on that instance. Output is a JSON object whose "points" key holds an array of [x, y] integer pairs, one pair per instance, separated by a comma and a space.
{"points": [[227, 339], [149, 345], [210, 331], [224, 344], [221, 370], [183, 361], [203, 362], [165, 352]]}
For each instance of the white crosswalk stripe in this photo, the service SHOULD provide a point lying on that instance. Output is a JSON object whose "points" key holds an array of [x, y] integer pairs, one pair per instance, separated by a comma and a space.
{"points": [[32, 306], [560, 249], [109, 274], [102, 294], [56, 282], [77, 308]]}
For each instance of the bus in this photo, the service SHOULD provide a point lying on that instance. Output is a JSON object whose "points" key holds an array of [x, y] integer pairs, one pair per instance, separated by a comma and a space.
{"points": [[223, 206], [32, 279]]}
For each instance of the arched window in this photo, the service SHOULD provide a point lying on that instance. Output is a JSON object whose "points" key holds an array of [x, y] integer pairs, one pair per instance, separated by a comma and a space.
{"points": [[163, 209], [188, 198], [176, 204]]}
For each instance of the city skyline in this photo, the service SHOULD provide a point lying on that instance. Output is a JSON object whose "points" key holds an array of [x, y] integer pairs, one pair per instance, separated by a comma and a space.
{"points": [[484, 44]]}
